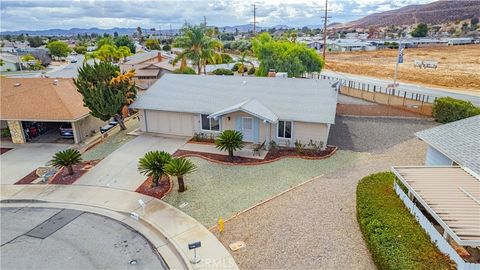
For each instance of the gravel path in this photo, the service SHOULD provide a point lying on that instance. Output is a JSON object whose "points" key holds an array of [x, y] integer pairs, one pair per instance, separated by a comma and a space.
{"points": [[314, 226], [363, 134]]}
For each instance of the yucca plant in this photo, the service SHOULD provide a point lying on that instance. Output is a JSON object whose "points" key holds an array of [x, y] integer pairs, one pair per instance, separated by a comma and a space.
{"points": [[229, 140], [179, 167], [67, 159], [153, 165]]}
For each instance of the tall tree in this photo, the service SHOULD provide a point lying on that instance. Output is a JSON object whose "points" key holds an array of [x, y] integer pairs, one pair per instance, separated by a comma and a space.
{"points": [[106, 92], [35, 41], [125, 41], [197, 46], [420, 31], [152, 44], [58, 48]]}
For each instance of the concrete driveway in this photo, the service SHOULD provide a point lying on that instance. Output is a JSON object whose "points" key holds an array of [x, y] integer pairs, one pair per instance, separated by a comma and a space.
{"points": [[25, 158], [119, 169]]}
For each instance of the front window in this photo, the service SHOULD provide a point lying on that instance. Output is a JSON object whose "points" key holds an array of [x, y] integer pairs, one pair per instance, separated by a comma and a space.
{"points": [[210, 123], [284, 129]]}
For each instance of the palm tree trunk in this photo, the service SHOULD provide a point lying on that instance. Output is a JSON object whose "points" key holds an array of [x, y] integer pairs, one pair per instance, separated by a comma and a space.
{"points": [[230, 154], [181, 183], [199, 68], [155, 181], [70, 169]]}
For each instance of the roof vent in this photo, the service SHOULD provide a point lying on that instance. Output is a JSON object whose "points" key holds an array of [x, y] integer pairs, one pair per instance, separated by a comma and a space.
{"points": [[55, 82], [17, 84]]}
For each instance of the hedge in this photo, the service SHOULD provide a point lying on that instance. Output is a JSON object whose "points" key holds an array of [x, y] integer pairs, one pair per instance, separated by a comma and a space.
{"points": [[185, 70], [447, 109], [393, 236], [222, 71]]}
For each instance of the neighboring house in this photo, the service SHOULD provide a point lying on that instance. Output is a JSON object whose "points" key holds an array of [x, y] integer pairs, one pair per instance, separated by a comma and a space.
{"points": [[456, 143], [261, 108], [447, 189], [460, 41], [10, 62], [49, 102], [149, 67], [39, 53]]}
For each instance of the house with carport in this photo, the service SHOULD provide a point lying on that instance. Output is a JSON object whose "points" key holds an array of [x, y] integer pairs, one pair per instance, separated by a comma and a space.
{"points": [[263, 109], [45, 110]]}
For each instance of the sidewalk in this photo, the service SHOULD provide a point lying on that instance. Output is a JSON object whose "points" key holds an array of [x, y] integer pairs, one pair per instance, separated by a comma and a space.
{"points": [[169, 229]]}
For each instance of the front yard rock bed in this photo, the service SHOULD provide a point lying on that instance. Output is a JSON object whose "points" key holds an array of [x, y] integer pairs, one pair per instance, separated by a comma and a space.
{"points": [[270, 157], [164, 187]]}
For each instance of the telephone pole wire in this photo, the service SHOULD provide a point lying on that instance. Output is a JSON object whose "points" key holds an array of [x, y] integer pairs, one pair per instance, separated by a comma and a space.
{"points": [[325, 30]]}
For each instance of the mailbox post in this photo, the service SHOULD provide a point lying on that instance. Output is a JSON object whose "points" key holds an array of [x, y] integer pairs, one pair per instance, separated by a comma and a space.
{"points": [[194, 246]]}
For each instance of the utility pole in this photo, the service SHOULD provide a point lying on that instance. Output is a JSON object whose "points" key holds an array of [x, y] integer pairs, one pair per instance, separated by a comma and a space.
{"points": [[171, 32], [205, 20], [254, 19], [325, 30]]}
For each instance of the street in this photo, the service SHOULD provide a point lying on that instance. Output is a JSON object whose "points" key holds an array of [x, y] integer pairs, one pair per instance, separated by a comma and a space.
{"points": [[411, 88], [69, 70]]}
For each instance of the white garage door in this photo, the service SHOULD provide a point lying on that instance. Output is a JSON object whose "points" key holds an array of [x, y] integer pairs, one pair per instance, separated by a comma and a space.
{"points": [[435, 158], [170, 123]]}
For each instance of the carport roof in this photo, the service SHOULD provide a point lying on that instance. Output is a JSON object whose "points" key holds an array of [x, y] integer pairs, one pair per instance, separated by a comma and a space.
{"points": [[451, 195], [40, 99], [295, 99]]}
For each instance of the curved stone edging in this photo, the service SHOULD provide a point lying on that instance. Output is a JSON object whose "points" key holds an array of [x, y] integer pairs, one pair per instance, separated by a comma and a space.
{"points": [[259, 162], [176, 227]]}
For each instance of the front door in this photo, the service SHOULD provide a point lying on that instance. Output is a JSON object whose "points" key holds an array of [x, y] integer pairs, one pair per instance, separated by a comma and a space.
{"points": [[247, 129]]}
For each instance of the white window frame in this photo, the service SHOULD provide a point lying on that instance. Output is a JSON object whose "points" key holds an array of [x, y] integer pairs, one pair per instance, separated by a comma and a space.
{"points": [[210, 124], [284, 128]]}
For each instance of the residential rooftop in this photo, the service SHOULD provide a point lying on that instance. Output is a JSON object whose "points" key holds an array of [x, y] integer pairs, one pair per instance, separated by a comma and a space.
{"points": [[306, 100]]}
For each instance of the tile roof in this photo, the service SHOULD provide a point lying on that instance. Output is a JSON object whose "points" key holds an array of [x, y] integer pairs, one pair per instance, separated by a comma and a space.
{"points": [[460, 141], [307, 100], [38, 99]]}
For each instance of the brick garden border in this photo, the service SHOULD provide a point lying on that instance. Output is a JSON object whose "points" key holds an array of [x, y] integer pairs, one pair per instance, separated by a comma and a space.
{"points": [[259, 162]]}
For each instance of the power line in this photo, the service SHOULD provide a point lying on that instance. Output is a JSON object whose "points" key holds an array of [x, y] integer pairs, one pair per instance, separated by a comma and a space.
{"points": [[325, 30]]}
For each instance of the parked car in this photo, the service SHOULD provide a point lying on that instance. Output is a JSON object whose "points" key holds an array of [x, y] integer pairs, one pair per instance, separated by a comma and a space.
{"points": [[106, 128], [74, 60], [66, 131]]}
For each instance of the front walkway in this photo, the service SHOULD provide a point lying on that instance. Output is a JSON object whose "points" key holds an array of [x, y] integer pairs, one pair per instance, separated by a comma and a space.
{"points": [[119, 169], [246, 152], [314, 226], [24, 158], [168, 229]]}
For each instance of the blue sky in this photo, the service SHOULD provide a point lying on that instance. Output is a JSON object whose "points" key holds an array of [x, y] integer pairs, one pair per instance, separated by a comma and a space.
{"points": [[65, 14]]}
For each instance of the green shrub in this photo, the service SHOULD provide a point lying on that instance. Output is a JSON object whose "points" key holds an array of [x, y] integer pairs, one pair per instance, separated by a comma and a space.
{"points": [[447, 109], [393, 235], [222, 71], [5, 132], [185, 70], [251, 71], [226, 58], [166, 47], [235, 67]]}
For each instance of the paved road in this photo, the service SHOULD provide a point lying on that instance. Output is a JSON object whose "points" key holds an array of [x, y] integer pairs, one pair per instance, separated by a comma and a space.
{"points": [[88, 241], [431, 91], [66, 71]]}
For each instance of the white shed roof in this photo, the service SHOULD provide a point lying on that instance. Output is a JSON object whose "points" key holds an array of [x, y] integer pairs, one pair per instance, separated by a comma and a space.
{"points": [[306, 100], [253, 107], [451, 195]]}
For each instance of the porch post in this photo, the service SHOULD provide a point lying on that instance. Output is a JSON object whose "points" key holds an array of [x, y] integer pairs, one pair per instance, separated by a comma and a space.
{"points": [[267, 134], [16, 131]]}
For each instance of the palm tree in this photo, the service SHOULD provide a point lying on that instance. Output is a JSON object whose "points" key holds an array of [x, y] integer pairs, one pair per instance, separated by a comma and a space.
{"points": [[229, 140], [243, 60], [153, 165], [197, 46], [66, 158], [179, 167], [211, 52]]}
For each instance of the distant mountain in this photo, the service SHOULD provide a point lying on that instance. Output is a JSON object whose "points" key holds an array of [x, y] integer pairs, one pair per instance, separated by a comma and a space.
{"points": [[433, 13]]}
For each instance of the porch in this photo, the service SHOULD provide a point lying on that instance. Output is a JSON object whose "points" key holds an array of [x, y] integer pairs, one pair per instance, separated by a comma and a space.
{"points": [[246, 152]]}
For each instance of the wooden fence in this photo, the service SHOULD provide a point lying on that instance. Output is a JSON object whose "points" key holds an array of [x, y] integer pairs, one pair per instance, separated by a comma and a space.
{"points": [[405, 100]]}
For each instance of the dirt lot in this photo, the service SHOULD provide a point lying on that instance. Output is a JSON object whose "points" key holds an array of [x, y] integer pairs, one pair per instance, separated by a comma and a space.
{"points": [[458, 66]]}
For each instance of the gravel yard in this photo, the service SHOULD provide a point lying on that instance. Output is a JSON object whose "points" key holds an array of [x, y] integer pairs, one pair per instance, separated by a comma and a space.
{"points": [[216, 190], [363, 134], [314, 226], [344, 99]]}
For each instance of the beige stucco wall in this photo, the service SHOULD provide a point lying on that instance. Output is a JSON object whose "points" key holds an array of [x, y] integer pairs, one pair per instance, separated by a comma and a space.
{"points": [[83, 128], [304, 132]]}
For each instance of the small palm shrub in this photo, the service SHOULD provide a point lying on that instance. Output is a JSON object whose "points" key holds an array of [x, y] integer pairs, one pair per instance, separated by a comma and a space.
{"points": [[179, 167], [229, 140], [67, 159], [153, 165]]}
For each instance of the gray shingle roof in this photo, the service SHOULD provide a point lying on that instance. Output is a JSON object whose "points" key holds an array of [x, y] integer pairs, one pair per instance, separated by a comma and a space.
{"points": [[460, 141], [307, 100]]}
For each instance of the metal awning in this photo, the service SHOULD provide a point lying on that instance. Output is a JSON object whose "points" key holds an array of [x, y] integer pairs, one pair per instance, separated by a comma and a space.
{"points": [[251, 106], [451, 195]]}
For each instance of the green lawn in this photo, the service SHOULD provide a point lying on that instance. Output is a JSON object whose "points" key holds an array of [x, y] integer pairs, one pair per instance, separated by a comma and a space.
{"points": [[216, 190], [112, 142], [394, 237]]}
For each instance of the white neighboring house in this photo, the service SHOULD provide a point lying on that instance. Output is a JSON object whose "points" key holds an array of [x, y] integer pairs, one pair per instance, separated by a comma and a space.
{"points": [[261, 108], [456, 143]]}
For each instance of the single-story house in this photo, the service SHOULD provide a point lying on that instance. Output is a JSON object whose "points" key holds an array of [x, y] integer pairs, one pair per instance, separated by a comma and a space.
{"points": [[10, 62], [39, 107], [149, 67], [456, 143], [261, 108]]}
